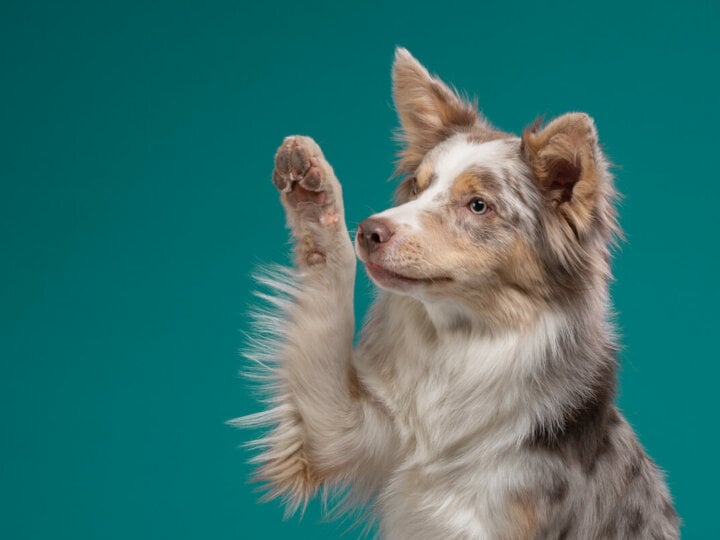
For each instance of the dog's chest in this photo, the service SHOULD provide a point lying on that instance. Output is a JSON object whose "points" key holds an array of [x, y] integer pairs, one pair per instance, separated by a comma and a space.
{"points": [[445, 395], [458, 435], [451, 496]]}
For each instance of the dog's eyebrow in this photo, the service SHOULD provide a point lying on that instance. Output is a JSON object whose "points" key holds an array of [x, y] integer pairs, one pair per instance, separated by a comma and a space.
{"points": [[425, 175], [424, 180], [477, 178]]}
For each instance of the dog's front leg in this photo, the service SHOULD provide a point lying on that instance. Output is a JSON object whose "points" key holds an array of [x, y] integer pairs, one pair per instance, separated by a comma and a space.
{"points": [[320, 416]]}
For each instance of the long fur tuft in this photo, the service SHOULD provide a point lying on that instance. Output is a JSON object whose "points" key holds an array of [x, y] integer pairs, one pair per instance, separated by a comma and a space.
{"points": [[281, 461]]}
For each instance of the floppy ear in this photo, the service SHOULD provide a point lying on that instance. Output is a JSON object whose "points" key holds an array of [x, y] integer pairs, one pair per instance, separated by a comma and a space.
{"points": [[429, 110], [572, 173]]}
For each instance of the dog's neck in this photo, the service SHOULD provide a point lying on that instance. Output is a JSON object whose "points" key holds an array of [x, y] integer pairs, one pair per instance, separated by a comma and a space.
{"points": [[508, 380], [486, 345], [584, 311]]}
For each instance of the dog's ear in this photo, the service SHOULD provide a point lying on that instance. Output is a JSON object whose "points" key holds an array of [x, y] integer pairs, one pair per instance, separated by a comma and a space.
{"points": [[571, 170], [429, 110]]}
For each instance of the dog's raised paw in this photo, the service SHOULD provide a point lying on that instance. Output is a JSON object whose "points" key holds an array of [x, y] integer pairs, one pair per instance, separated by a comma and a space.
{"points": [[312, 198], [305, 178]]}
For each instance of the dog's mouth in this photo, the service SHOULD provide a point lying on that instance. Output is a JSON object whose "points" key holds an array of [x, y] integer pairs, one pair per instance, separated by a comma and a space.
{"points": [[384, 277]]}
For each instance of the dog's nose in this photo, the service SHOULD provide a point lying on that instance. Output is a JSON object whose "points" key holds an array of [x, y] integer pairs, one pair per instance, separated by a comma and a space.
{"points": [[372, 233]]}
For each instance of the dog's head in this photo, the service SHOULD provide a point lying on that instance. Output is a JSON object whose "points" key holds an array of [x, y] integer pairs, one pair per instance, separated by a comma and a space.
{"points": [[496, 223]]}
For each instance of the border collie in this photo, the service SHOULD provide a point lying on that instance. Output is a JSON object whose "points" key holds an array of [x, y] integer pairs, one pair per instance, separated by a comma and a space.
{"points": [[478, 402]]}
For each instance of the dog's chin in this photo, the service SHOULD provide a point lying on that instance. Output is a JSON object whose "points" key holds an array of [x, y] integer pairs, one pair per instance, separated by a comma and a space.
{"points": [[396, 281]]}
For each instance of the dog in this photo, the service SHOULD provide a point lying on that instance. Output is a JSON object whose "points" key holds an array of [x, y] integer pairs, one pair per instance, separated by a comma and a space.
{"points": [[478, 402]]}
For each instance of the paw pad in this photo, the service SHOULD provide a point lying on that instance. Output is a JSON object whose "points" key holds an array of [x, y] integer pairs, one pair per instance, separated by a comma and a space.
{"points": [[302, 174]]}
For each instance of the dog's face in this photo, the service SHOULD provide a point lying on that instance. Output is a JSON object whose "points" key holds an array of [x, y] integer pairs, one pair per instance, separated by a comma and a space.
{"points": [[496, 223]]}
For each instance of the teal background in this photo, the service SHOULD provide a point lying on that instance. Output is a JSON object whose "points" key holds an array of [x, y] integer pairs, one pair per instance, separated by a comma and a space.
{"points": [[136, 144]]}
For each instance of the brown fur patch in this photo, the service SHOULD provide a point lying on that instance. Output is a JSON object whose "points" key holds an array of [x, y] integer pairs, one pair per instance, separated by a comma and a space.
{"points": [[425, 174], [411, 186], [523, 518], [466, 183], [480, 134], [525, 271], [287, 470], [475, 181], [357, 390]]}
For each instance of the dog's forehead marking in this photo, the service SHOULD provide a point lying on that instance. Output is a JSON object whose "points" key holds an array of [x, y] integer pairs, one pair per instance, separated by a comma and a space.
{"points": [[450, 160], [458, 154]]}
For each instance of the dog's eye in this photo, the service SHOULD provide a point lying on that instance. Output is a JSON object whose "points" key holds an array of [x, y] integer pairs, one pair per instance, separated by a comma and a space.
{"points": [[478, 206], [413, 186]]}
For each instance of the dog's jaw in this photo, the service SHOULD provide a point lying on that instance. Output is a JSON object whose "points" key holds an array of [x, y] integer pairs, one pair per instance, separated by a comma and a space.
{"points": [[394, 281]]}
